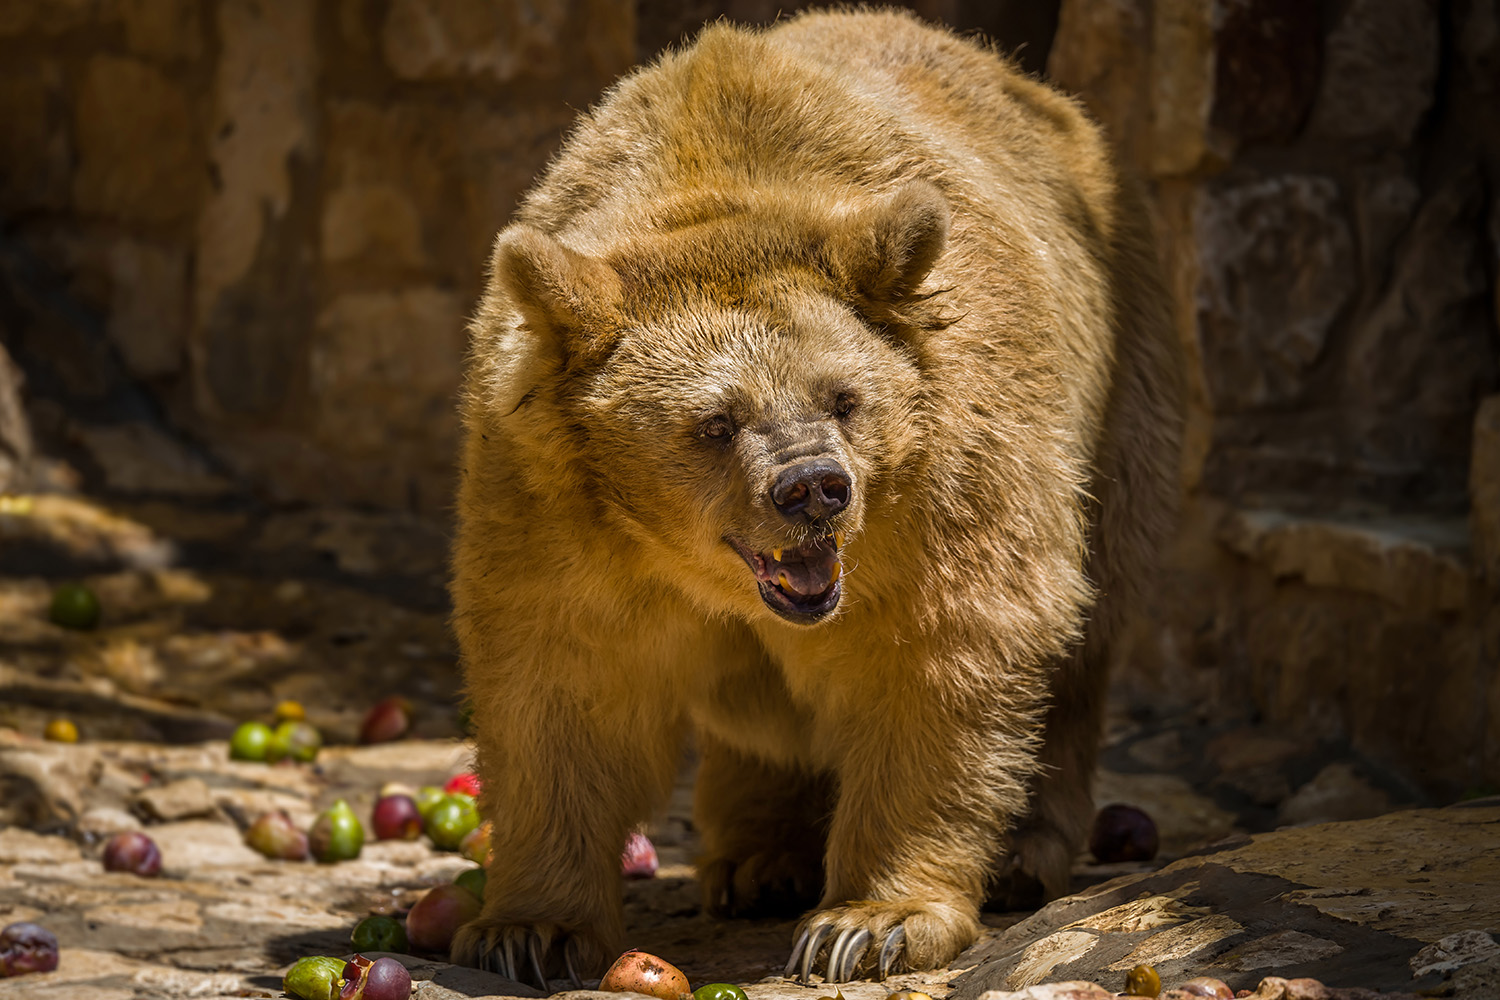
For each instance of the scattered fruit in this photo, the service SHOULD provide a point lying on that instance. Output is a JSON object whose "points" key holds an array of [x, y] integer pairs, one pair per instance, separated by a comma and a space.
{"points": [[382, 979], [315, 978], [294, 739], [336, 835], [395, 817], [27, 947], [289, 709], [723, 991], [639, 972], [61, 731], [638, 860], [451, 820], [1206, 986], [1142, 981], [74, 606], [250, 741], [437, 916], [274, 835], [132, 852], [1123, 833], [389, 719], [379, 933], [476, 844], [473, 880], [428, 797], [463, 784]]}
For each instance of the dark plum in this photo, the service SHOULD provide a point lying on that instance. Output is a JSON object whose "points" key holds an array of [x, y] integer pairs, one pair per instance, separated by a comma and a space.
{"points": [[132, 852], [27, 947], [395, 817], [1123, 833], [387, 979], [388, 719], [435, 918]]}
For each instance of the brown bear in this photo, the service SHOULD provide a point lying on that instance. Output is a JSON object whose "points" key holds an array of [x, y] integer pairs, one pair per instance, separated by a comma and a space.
{"points": [[822, 403]]}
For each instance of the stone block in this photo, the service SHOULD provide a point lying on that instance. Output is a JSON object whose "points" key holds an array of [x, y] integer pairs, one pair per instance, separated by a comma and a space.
{"points": [[1102, 53], [1268, 60], [148, 307], [35, 151], [1484, 489], [164, 29], [138, 158], [54, 17], [376, 224], [1181, 94], [1277, 267], [1382, 65]]}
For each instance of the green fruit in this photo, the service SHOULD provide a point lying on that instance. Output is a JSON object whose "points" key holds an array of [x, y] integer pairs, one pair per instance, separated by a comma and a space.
{"points": [[719, 991], [74, 606], [336, 835], [473, 880], [315, 978], [250, 741], [428, 797], [379, 933], [295, 739], [451, 820]]}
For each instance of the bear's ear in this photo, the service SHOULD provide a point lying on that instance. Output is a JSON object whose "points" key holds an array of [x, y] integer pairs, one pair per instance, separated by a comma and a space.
{"points": [[885, 251], [574, 298]]}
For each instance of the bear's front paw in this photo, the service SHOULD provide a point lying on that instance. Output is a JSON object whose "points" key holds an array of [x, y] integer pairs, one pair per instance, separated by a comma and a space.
{"points": [[527, 952], [882, 937]]}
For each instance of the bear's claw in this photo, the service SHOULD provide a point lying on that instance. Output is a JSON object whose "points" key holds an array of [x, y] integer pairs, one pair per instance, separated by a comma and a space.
{"points": [[845, 952], [497, 954]]}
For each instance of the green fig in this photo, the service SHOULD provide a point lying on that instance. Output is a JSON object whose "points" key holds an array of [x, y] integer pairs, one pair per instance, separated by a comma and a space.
{"points": [[336, 835]]}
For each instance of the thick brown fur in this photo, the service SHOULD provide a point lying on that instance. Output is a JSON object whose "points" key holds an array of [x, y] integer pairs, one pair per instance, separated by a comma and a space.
{"points": [[851, 208]]}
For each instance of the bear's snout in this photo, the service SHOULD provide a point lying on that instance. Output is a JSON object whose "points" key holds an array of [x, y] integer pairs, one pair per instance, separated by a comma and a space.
{"points": [[811, 491]]}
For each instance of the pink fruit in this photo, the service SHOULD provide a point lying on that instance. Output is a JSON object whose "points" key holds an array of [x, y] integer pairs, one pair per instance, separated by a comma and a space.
{"points": [[27, 947], [132, 852], [389, 719], [395, 817], [638, 860], [437, 916], [640, 972], [274, 835]]}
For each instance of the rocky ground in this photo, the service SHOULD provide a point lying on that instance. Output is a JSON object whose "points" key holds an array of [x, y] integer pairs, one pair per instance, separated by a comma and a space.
{"points": [[1280, 856]]}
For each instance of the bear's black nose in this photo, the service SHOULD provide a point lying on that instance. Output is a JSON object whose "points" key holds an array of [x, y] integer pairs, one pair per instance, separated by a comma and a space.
{"points": [[811, 491]]}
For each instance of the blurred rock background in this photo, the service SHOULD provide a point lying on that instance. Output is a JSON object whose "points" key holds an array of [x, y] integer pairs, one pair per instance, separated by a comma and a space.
{"points": [[239, 240]]}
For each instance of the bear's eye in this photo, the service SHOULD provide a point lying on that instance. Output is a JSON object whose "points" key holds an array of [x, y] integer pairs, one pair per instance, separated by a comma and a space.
{"points": [[843, 405], [718, 429]]}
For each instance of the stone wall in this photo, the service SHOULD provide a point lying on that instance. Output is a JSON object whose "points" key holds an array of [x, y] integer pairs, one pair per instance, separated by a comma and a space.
{"points": [[1324, 179], [239, 238]]}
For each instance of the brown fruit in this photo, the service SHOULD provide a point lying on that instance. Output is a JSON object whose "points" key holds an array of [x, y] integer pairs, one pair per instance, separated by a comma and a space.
{"points": [[640, 972]]}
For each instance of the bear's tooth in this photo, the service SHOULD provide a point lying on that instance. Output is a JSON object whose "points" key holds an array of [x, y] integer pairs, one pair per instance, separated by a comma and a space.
{"points": [[781, 578], [838, 571], [776, 554]]}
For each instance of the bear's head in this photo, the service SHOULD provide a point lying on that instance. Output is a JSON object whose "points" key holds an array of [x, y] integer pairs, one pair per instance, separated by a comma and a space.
{"points": [[738, 382]]}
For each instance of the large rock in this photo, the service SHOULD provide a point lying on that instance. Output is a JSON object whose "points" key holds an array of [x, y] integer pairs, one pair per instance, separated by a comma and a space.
{"points": [[1381, 69], [15, 428], [1484, 488], [1351, 904]]}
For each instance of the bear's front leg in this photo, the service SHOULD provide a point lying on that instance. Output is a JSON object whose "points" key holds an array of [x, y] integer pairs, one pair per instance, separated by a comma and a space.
{"points": [[924, 798], [566, 771]]}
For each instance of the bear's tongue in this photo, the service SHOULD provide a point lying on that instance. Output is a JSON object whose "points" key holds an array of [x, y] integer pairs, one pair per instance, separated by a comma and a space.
{"points": [[806, 570]]}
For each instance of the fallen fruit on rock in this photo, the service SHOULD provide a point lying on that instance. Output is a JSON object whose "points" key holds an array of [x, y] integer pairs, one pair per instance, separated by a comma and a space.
{"points": [[27, 947], [389, 719], [274, 835], [61, 731], [464, 784], [641, 972], [74, 606], [451, 820], [638, 860], [476, 844], [1142, 981], [132, 852], [1123, 833], [437, 916], [336, 835], [295, 739], [250, 741], [395, 817], [382, 979], [724, 991], [317, 977], [290, 710], [379, 933], [428, 799], [473, 880]]}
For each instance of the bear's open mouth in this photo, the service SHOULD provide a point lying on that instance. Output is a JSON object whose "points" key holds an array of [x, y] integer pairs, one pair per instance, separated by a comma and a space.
{"points": [[800, 583]]}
